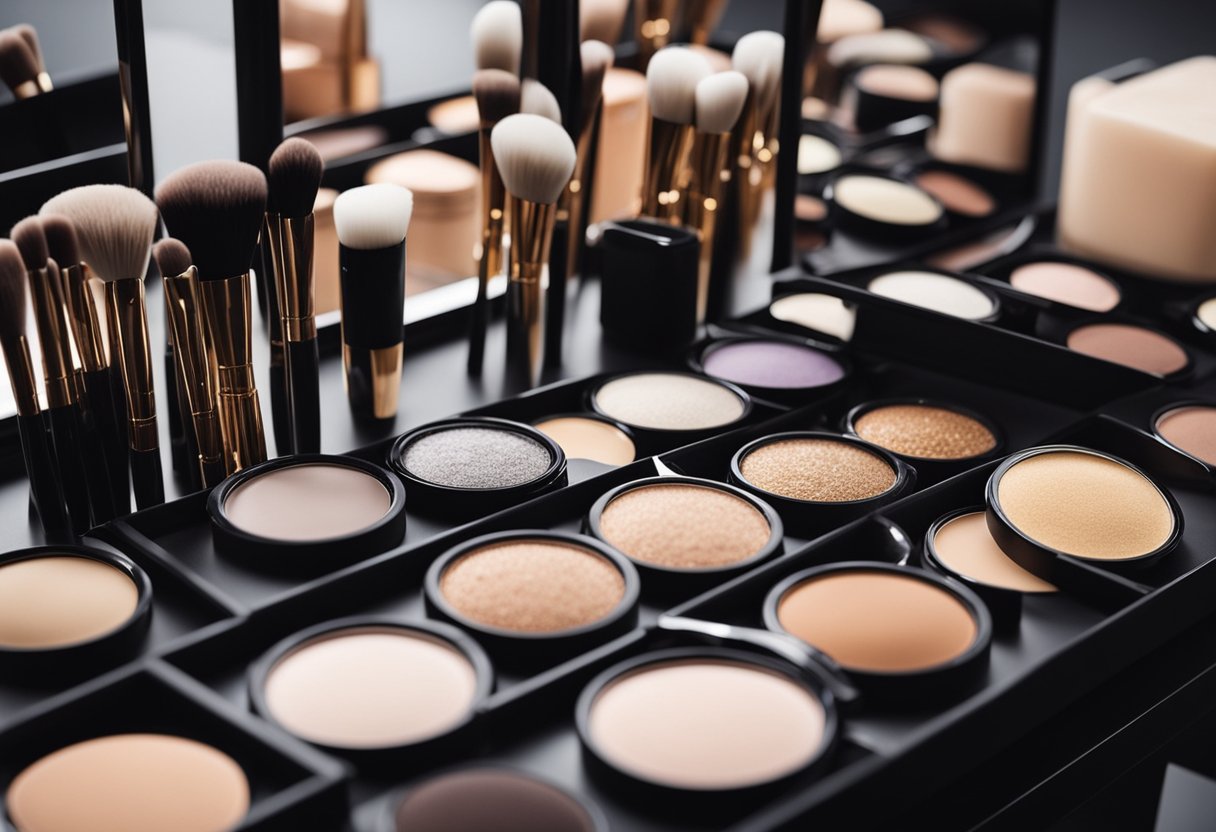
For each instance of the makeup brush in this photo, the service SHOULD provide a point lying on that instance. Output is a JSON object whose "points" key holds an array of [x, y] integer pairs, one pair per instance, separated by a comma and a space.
{"points": [[217, 209], [115, 225], [30, 35], [18, 65], [602, 20], [720, 100], [498, 36], [181, 436], [654, 23], [39, 464], [536, 99], [294, 177], [372, 222], [596, 59], [671, 85], [759, 56], [498, 94], [536, 158], [185, 320], [104, 412], [701, 17]]}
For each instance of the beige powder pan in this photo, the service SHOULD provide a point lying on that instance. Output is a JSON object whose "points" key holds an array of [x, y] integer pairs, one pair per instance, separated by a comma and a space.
{"points": [[1190, 427]]}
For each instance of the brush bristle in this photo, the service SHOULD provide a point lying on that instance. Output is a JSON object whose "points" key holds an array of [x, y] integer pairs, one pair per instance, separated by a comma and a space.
{"points": [[31, 242], [720, 100], [114, 227], [294, 177], [759, 56], [671, 83], [373, 216], [602, 20], [498, 36], [172, 257], [61, 240], [596, 58], [535, 157], [216, 209], [536, 99], [12, 291], [30, 35], [18, 64], [497, 92]]}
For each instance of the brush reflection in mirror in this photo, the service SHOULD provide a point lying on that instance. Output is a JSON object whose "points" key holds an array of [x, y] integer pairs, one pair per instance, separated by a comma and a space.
{"points": [[822, 313], [1067, 283], [669, 401], [965, 546], [492, 798], [589, 437], [1190, 428], [924, 431], [938, 292], [1132, 346]]}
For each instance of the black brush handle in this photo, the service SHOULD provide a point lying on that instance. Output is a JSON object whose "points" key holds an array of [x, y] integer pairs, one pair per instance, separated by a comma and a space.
{"points": [[106, 386], [96, 463], [177, 436], [304, 389], [555, 302], [148, 478], [479, 317], [280, 408], [44, 479], [213, 473], [65, 435]]}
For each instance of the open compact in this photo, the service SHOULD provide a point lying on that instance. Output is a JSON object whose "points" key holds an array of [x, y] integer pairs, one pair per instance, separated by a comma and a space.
{"points": [[774, 369]]}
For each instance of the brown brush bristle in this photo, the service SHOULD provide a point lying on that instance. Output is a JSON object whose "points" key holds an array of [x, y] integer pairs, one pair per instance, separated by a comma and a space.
{"points": [[172, 257], [497, 94], [216, 209], [12, 291], [114, 228], [61, 242], [31, 242], [294, 177], [30, 35], [17, 63]]}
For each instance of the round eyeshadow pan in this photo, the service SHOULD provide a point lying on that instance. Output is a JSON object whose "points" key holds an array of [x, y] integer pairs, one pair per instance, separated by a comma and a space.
{"points": [[130, 783], [1066, 283], [818, 470], [669, 401], [909, 83], [307, 502], [886, 200], [533, 585], [58, 600], [706, 724], [684, 526], [1132, 346], [966, 547], [490, 798], [771, 364], [1190, 428], [957, 193], [822, 313], [925, 431], [816, 155], [582, 437], [476, 457], [938, 292]]}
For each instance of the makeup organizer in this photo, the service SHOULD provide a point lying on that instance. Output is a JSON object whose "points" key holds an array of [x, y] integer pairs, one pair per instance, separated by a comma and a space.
{"points": [[712, 586]]}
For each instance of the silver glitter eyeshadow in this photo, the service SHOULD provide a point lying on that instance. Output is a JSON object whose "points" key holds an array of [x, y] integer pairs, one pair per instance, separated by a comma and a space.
{"points": [[476, 458]]}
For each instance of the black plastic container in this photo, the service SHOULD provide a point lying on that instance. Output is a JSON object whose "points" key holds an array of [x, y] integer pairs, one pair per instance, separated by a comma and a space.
{"points": [[937, 467], [786, 395], [305, 555], [649, 278]]}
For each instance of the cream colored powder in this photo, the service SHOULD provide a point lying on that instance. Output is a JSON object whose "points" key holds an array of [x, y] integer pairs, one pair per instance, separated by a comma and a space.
{"points": [[886, 200], [668, 401], [823, 313], [938, 292], [307, 502]]}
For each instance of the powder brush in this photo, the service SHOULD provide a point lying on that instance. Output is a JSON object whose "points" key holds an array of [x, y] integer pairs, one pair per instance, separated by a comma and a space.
{"points": [[18, 65], [671, 84], [596, 59], [30, 35], [759, 56], [497, 32], [602, 20]]}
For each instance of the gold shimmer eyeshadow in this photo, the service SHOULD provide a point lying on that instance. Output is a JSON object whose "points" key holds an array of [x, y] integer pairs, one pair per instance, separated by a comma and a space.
{"points": [[925, 431], [819, 470], [684, 526], [55, 601], [965, 546], [533, 586], [1086, 505], [878, 621], [130, 783]]}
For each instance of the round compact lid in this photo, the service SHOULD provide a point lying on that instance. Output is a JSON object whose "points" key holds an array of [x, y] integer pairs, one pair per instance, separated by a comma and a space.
{"points": [[441, 183]]}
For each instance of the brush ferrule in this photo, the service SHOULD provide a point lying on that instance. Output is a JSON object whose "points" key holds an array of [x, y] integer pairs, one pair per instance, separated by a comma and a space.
{"points": [[83, 318], [493, 205], [46, 293], [128, 318], [707, 175], [531, 236], [669, 147], [190, 353], [21, 373], [373, 303], [26, 89], [44, 81], [227, 317], [291, 251], [373, 379]]}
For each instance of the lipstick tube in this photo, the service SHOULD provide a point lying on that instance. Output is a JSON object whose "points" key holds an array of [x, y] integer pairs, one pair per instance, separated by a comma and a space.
{"points": [[291, 248], [373, 299]]}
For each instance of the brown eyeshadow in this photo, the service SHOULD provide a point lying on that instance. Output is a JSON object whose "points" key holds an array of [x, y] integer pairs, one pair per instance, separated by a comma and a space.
{"points": [[878, 621], [925, 431], [684, 526], [490, 798], [1191, 428], [960, 195], [1132, 346], [818, 470], [533, 585]]}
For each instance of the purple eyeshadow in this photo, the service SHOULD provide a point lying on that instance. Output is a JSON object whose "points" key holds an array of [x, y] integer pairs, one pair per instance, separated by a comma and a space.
{"points": [[773, 364]]}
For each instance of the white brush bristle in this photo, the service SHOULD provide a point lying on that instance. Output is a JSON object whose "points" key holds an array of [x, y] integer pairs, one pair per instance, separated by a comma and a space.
{"points": [[373, 216], [498, 36], [601, 20], [596, 56], [534, 155], [759, 56], [114, 228], [536, 99], [720, 99], [671, 83]]}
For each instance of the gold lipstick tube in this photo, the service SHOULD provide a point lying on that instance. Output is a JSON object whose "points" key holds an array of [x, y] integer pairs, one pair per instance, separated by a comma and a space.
{"points": [[531, 237], [670, 144], [708, 173]]}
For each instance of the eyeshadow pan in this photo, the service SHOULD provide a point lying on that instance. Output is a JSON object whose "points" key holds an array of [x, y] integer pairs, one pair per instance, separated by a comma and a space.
{"points": [[1132, 346], [489, 798], [130, 783], [1066, 283], [822, 313], [808, 208], [1191, 428], [58, 600], [888, 46], [819, 470], [878, 621], [816, 155], [957, 193], [669, 401], [307, 502], [476, 457], [772, 364], [909, 83], [371, 687], [938, 292], [965, 545], [533, 586], [1207, 313], [925, 431], [706, 724], [586, 438], [684, 526], [886, 200]]}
